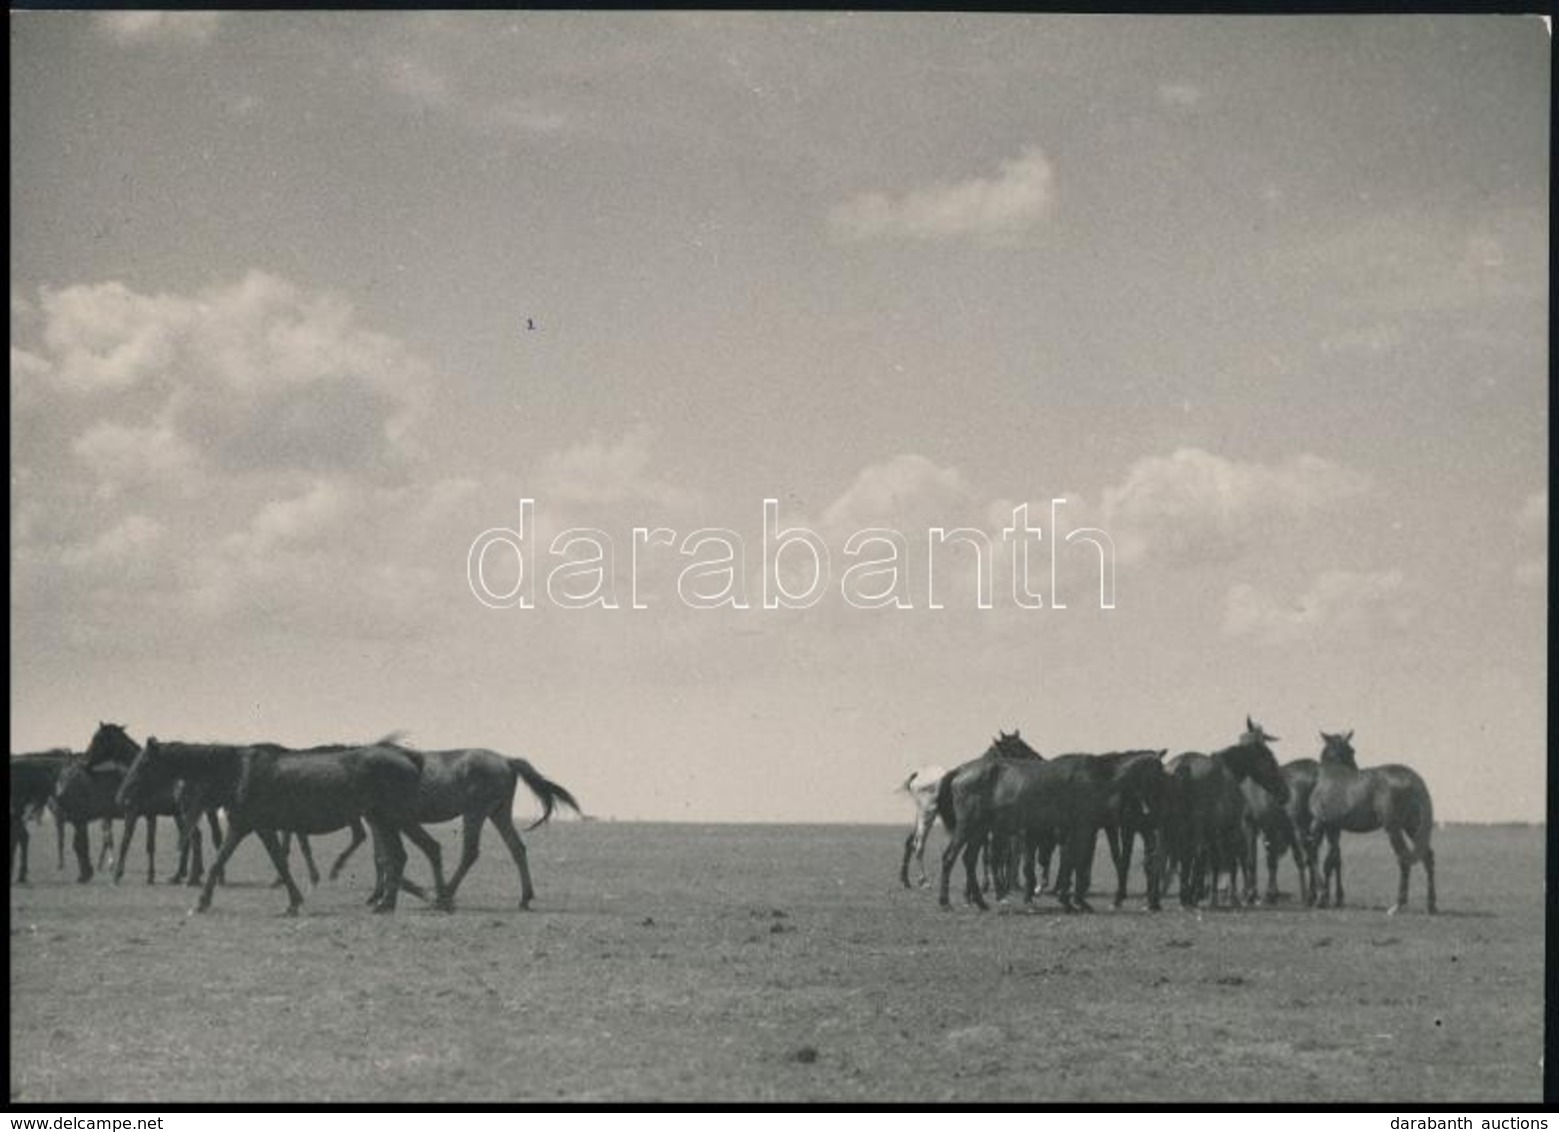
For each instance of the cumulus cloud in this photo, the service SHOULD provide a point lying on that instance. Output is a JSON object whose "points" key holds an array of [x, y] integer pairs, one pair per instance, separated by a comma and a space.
{"points": [[121, 456], [992, 209], [131, 28], [907, 491], [602, 472], [257, 375], [240, 457], [1195, 507], [1338, 600]]}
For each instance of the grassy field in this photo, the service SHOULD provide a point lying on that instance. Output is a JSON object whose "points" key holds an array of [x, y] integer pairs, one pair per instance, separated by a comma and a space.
{"points": [[774, 963]]}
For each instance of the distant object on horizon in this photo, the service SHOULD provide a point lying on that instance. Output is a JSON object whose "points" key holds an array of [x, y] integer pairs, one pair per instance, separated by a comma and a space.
{"points": [[530, 324]]}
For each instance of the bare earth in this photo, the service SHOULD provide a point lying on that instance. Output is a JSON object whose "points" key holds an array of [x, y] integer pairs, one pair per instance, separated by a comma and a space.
{"points": [[774, 963]]}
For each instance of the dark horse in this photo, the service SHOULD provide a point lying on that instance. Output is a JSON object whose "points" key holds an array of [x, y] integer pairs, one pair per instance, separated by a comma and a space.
{"points": [[32, 789], [1390, 797], [477, 786], [84, 794], [1283, 828], [112, 745], [1137, 806], [303, 791], [1063, 797], [1209, 810]]}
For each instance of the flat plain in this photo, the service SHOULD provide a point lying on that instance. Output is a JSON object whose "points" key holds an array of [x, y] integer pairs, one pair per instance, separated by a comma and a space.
{"points": [[773, 964]]}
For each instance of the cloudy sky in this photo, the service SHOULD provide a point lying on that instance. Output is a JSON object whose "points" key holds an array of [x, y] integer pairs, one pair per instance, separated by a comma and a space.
{"points": [[302, 303]]}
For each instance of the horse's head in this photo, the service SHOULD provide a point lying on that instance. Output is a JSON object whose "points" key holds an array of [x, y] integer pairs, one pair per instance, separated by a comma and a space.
{"points": [[1338, 749], [1013, 746], [1255, 760], [1255, 733], [110, 744], [149, 771]]}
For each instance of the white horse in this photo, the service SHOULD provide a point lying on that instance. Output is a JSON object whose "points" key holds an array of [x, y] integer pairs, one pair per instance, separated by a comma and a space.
{"points": [[921, 788]]}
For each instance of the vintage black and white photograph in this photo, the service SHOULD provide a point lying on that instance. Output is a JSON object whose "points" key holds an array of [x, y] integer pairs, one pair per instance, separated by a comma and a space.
{"points": [[578, 557]]}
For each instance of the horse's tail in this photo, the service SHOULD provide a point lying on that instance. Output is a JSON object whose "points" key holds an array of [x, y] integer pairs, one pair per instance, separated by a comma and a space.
{"points": [[547, 792], [944, 802]]}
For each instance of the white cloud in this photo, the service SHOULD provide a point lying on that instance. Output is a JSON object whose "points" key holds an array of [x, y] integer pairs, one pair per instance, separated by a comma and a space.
{"points": [[599, 472], [131, 28], [1338, 600], [261, 373], [899, 492], [121, 456], [995, 209], [1195, 507]]}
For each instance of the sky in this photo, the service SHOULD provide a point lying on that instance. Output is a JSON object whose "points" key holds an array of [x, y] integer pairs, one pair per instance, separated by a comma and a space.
{"points": [[303, 303]]}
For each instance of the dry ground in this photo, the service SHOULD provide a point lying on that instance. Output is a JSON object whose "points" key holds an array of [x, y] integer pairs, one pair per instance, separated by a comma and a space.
{"points": [[778, 963]]}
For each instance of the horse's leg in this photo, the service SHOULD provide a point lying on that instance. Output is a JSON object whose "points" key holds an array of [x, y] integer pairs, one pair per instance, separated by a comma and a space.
{"points": [[504, 824], [909, 850], [78, 842], [237, 830], [59, 842], [1029, 878], [216, 836], [972, 894], [1426, 854], [358, 837], [285, 842], [151, 848], [922, 839], [949, 859], [394, 854], [272, 845], [308, 859], [126, 836], [1331, 868], [105, 855], [1152, 876], [1121, 847], [196, 873], [181, 841], [1087, 844], [19, 838], [1404, 853], [470, 847], [425, 841]]}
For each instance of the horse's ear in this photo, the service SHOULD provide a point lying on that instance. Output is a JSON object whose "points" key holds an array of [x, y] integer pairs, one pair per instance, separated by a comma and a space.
{"points": [[1348, 738], [1249, 726], [1162, 753]]}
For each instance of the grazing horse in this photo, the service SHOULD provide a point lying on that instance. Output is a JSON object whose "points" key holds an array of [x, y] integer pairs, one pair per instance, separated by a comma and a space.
{"points": [[1136, 807], [304, 791], [921, 787], [478, 786], [1282, 828], [1390, 797], [1209, 810], [31, 789], [1064, 797]]}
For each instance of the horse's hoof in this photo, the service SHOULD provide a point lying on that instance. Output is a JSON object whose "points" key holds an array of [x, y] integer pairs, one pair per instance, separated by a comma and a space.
{"points": [[445, 904], [383, 909], [202, 908], [292, 910]]}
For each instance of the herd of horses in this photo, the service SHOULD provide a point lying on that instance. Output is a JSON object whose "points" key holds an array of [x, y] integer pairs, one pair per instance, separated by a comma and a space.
{"points": [[1199, 816], [276, 792]]}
